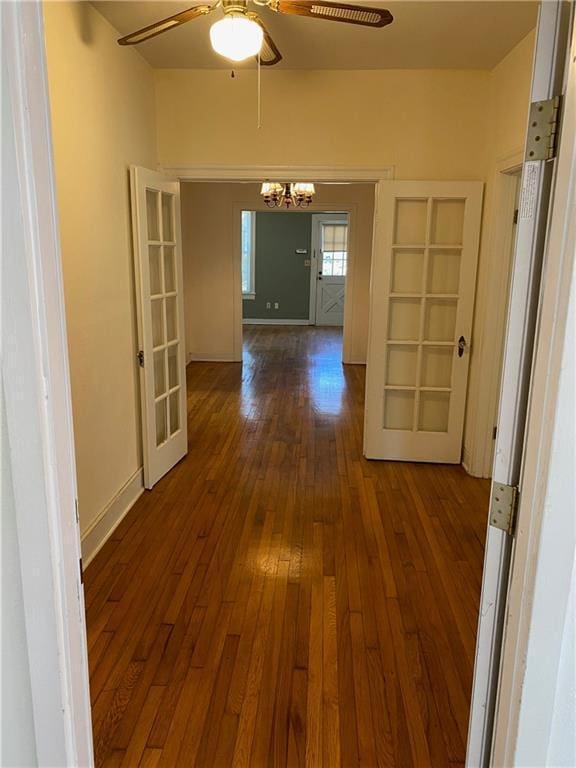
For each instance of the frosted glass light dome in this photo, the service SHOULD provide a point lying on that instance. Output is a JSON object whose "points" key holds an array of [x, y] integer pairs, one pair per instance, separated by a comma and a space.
{"points": [[236, 37]]}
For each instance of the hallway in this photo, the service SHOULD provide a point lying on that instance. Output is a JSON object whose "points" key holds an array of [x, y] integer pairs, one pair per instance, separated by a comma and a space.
{"points": [[277, 600]]}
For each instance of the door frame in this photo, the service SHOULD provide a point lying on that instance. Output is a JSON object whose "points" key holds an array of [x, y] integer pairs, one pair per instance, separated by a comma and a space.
{"points": [[39, 417], [352, 212], [498, 604], [256, 174], [511, 742], [316, 247], [492, 326]]}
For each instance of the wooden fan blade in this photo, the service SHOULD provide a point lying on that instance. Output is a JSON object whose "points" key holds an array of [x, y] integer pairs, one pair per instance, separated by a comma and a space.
{"points": [[269, 53], [165, 24], [348, 14]]}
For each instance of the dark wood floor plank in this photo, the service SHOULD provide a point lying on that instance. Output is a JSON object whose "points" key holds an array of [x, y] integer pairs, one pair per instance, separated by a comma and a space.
{"points": [[277, 600]]}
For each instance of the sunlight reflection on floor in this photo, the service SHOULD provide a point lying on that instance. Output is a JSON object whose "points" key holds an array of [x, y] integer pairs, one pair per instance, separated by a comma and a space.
{"points": [[322, 379]]}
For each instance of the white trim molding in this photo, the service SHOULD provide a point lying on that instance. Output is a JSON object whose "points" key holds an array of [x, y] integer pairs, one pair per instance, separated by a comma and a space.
{"points": [[36, 386], [208, 357], [269, 321], [286, 173], [100, 530], [490, 325], [539, 591]]}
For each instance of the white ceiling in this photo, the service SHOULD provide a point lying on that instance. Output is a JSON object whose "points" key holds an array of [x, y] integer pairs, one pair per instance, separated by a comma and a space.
{"points": [[452, 34]]}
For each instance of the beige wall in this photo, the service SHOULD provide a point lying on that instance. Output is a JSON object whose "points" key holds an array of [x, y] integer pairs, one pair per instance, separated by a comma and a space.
{"points": [[507, 109], [427, 123], [431, 124], [210, 232], [103, 113]]}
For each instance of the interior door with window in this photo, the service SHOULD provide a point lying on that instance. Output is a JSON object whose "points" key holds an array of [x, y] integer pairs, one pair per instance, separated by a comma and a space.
{"points": [[421, 303], [160, 311], [330, 237]]}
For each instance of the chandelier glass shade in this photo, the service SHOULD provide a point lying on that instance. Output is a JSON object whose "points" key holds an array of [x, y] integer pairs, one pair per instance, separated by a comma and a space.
{"points": [[236, 37], [298, 194]]}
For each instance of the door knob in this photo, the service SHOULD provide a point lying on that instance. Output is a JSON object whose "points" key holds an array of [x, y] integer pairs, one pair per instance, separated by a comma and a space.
{"points": [[461, 346]]}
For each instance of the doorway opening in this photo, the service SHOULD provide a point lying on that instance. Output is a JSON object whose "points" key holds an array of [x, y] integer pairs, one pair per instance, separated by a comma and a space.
{"points": [[294, 267]]}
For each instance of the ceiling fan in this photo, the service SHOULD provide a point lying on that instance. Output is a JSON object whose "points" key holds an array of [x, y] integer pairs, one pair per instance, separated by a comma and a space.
{"points": [[241, 33]]}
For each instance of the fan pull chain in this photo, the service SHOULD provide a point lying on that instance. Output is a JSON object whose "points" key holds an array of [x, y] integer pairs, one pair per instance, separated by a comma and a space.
{"points": [[259, 96]]}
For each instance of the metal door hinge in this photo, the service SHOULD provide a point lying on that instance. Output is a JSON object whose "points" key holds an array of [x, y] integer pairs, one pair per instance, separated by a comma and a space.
{"points": [[81, 571], [503, 507], [541, 139], [141, 358], [76, 511], [515, 220]]}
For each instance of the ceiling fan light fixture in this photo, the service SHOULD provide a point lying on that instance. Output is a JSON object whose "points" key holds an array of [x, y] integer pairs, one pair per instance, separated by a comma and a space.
{"points": [[236, 37]]}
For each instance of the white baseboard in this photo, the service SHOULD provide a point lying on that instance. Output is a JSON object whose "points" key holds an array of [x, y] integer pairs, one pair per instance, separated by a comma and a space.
{"points": [[262, 321], [466, 461], [99, 531], [207, 357]]}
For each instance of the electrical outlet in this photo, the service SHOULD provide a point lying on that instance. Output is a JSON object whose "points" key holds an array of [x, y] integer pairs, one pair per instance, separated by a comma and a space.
{"points": [[268, 305], [276, 305]]}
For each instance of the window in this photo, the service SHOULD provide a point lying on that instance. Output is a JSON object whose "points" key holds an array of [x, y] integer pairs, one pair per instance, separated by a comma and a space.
{"points": [[334, 249], [248, 244]]}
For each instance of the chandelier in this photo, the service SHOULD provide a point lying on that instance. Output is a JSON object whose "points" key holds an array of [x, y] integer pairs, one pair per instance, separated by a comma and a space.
{"points": [[276, 195]]}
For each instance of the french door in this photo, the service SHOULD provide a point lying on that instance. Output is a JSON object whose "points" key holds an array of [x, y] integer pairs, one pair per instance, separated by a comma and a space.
{"points": [[160, 311], [422, 297], [330, 238]]}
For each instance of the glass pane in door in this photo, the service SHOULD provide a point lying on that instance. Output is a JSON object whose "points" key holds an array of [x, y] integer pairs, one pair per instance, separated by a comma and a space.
{"points": [[402, 366], [171, 319], [447, 222], [434, 407], [436, 368], [174, 411], [169, 269], [167, 217], [398, 409], [155, 269], [159, 372], [443, 270], [407, 270], [173, 366], [410, 224], [161, 421], [157, 322], [152, 214]]}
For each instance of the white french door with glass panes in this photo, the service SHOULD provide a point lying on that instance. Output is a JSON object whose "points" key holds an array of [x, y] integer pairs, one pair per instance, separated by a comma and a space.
{"points": [[330, 238], [160, 311], [422, 297]]}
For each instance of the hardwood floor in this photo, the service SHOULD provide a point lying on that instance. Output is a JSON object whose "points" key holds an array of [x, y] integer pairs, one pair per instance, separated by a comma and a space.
{"points": [[277, 600]]}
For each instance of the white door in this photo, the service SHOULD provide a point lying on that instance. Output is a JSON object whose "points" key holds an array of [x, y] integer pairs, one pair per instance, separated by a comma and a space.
{"points": [[160, 310], [537, 176], [421, 303], [330, 239]]}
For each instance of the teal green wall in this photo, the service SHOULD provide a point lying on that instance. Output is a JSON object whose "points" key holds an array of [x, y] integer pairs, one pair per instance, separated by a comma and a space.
{"points": [[280, 274]]}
